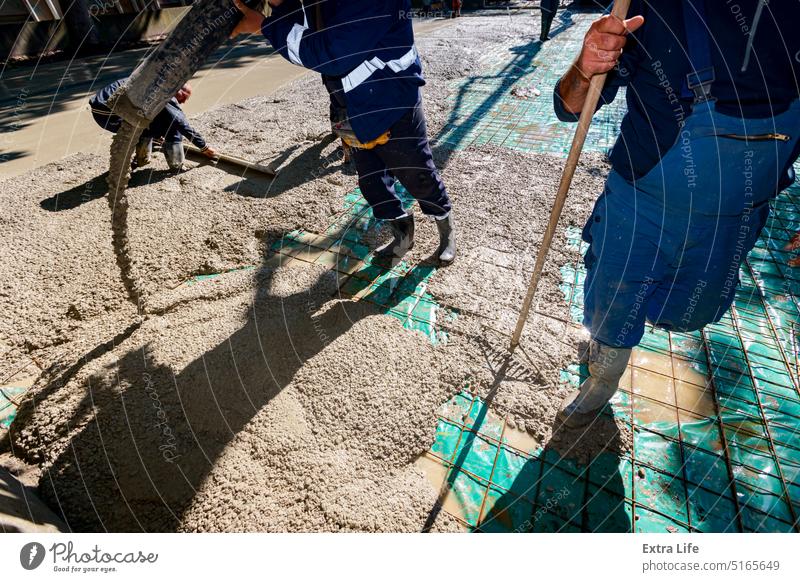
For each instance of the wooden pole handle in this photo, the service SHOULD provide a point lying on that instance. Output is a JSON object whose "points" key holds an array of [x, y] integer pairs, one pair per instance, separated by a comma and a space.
{"points": [[241, 162], [620, 10]]}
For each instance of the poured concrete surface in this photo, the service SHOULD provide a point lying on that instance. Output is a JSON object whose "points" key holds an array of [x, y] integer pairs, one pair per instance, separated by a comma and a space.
{"points": [[261, 399]]}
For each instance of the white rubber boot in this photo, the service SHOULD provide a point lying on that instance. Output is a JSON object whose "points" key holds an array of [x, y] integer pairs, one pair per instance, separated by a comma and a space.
{"points": [[606, 367], [447, 239]]}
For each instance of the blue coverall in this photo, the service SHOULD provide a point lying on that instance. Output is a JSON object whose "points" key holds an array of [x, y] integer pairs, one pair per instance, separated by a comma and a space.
{"points": [[692, 177]]}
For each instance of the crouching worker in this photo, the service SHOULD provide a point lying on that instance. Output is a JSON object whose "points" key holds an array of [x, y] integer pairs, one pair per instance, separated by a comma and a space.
{"points": [[369, 46], [711, 133], [169, 127]]}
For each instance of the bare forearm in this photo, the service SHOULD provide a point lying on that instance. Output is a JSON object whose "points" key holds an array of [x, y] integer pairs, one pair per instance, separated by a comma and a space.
{"points": [[573, 89]]}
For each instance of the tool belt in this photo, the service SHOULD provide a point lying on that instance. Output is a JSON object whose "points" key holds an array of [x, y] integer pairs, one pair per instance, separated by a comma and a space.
{"points": [[344, 130], [341, 127], [354, 143]]}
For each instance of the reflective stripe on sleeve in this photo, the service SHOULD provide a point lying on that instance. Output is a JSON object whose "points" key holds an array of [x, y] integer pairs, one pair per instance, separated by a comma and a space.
{"points": [[364, 71], [294, 38]]}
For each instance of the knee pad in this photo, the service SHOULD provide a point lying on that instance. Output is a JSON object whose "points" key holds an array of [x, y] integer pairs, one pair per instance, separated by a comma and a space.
{"points": [[173, 152]]}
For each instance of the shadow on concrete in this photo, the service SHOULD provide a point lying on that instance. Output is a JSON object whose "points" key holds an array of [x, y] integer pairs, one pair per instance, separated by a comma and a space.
{"points": [[146, 436], [310, 164], [550, 493], [153, 435], [97, 187], [514, 70], [13, 155]]}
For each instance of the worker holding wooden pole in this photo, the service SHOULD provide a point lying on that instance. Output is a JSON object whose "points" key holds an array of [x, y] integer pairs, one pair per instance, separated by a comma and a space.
{"points": [[707, 142], [592, 68]]}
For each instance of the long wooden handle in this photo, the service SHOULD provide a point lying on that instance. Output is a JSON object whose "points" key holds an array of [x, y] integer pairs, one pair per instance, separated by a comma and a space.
{"points": [[620, 10], [236, 160]]}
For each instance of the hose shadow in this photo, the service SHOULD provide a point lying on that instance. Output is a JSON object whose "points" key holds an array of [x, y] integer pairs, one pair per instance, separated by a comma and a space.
{"points": [[148, 431]]}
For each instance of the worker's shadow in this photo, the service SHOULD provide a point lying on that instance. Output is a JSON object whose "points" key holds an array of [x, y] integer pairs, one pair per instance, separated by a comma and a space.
{"points": [[97, 187], [573, 483], [147, 437], [557, 492], [300, 168], [309, 164]]}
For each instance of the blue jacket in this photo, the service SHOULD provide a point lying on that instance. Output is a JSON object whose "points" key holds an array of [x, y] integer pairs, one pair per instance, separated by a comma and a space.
{"points": [[170, 124], [369, 44], [654, 65]]}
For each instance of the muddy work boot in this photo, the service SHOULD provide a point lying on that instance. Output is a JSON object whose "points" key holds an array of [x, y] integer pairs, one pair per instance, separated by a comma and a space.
{"points": [[606, 367], [446, 252], [402, 241]]}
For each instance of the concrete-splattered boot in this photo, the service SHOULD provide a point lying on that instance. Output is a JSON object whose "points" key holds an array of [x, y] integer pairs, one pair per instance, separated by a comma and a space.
{"points": [[173, 152], [606, 367], [402, 241], [447, 239]]}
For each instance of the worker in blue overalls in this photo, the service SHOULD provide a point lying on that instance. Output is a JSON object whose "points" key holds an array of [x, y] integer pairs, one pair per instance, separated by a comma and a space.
{"points": [[368, 45], [169, 127], [710, 136]]}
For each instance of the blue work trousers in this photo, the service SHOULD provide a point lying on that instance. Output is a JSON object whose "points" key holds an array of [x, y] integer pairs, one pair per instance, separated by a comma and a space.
{"points": [[667, 247], [406, 157]]}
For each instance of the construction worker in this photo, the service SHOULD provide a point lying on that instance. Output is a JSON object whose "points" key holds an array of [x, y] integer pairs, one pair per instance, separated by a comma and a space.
{"points": [[710, 136], [169, 127], [548, 9], [369, 45]]}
